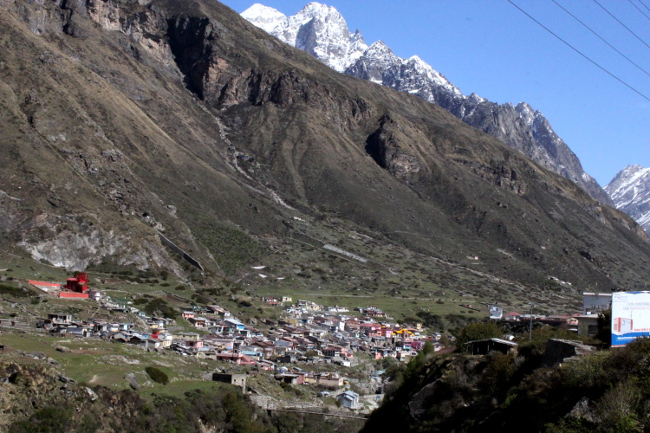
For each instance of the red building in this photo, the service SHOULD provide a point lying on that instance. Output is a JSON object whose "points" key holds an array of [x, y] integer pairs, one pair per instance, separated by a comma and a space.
{"points": [[76, 287]]}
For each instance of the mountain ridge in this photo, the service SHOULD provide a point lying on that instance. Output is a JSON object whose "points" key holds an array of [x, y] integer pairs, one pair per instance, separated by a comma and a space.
{"points": [[380, 65]]}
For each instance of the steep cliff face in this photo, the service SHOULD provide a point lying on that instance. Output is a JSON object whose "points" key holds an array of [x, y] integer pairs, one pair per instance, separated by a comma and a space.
{"points": [[184, 118], [84, 165]]}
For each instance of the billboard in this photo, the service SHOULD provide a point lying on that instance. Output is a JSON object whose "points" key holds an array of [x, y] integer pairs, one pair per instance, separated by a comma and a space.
{"points": [[630, 317]]}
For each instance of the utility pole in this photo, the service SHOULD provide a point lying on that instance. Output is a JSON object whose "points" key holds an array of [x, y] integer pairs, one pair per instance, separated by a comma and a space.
{"points": [[530, 325]]}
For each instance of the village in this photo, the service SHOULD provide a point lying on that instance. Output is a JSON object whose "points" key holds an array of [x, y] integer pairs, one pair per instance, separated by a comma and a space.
{"points": [[308, 345]]}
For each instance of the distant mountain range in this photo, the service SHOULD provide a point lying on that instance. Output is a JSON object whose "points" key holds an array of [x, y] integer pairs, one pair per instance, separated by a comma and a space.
{"points": [[630, 191], [323, 32]]}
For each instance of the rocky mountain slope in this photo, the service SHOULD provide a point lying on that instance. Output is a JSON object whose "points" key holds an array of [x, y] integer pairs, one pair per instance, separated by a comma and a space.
{"points": [[630, 192], [323, 32], [124, 119]]}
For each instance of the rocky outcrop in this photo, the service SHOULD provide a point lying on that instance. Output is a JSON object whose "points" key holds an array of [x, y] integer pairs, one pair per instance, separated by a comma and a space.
{"points": [[28, 387], [388, 147], [223, 84], [75, 242]]}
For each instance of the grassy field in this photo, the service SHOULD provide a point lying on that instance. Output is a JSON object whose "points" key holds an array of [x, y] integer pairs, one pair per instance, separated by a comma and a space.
{"points": [[97, 362], [395, 279]]}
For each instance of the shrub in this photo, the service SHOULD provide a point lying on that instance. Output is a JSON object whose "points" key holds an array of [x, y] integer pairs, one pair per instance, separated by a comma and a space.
{"points": [[6, 289], [245, 303], [157, 375], [159, 305], [605, 327], [51, 419]]}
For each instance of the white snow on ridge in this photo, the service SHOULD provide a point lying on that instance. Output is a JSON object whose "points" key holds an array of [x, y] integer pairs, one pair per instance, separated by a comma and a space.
{"points": [[264, 17], [526, 112], [434, 76], [318, 29], [625, 186], [630, 191], [323, 32]]}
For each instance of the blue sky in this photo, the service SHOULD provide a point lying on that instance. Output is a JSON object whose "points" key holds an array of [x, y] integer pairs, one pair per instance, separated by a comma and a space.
{"points": [[490, 48]]}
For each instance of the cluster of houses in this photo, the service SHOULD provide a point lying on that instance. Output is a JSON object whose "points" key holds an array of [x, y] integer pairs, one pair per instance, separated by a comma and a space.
{"points": [[308, 333], [124, 332]]}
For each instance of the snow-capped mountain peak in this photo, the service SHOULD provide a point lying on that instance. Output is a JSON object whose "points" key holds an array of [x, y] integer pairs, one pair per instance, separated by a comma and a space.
{"points": [[323, 32], [475, 98], [379, 49], [318, 29], [630, 191], [264, 17]]}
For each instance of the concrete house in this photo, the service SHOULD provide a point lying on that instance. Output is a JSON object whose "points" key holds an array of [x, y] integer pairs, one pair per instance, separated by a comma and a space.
{"points": [[59, 318], [235, 323], [233, 379], [329, 380], [77, 331], [596, 302], [199, 322], [349, 399]]}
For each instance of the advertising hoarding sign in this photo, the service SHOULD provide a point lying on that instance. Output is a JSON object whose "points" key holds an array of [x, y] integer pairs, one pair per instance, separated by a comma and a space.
{"points": [[630, 317]]}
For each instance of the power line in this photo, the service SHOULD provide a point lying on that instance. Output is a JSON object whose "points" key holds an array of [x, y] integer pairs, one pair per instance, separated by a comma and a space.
{"points": [[619, 21], [639, 9], [579, 52], [599, 37], [644, 5]]}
